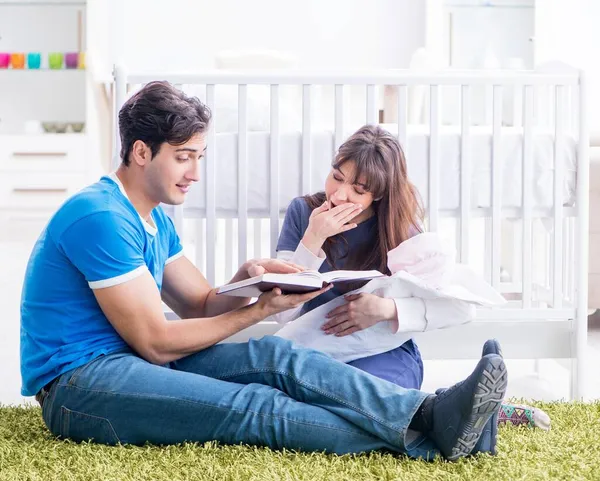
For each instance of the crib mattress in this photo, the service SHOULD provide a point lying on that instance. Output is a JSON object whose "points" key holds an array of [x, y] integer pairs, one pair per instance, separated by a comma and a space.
{"points": [[417, 154]]}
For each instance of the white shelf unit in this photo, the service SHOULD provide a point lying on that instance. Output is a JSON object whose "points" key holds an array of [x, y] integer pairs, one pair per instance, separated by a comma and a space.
{"points": [[38, 170]]}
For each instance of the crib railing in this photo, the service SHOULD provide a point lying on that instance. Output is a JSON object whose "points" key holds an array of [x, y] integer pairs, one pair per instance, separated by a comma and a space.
{"points": [[559, 292]]}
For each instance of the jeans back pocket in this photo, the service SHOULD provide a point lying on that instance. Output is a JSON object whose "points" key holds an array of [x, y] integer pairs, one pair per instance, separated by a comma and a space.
{"points": [[79, 426]]}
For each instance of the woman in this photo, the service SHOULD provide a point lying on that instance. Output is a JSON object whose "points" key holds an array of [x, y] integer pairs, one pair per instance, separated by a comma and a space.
{"points": [[368, 208]]}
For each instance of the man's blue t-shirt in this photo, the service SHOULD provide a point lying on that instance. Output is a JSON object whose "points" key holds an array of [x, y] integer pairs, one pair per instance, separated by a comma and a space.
{"points": [[96, 239]]}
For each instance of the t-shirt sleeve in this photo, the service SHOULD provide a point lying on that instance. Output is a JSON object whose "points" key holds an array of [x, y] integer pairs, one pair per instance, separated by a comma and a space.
{"points": [[175, 247], [106, 248], [292, 230]]}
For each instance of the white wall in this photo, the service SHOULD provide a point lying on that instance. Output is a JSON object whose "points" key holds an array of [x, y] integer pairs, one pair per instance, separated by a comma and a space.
{"points": [[567, 30], [502, 32], [322, 34]]}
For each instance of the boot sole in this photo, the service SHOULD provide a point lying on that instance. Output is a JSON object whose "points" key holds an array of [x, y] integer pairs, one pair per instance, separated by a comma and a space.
{"points": [[487, 398]]}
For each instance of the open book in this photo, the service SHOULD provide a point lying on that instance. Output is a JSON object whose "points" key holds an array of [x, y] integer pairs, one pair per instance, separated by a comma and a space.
{"points": [[300, 282]]}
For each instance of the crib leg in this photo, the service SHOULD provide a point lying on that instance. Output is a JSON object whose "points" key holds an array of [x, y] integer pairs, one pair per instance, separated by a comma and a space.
{"points": [[488, 249], [573, 380], [579, 364]]}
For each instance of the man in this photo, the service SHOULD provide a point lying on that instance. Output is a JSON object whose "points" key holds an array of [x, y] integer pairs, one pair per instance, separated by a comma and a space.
{"points": [[105, 364]]}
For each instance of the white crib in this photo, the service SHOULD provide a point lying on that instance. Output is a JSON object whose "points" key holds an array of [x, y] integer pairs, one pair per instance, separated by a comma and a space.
{"points": [[512, 199]]}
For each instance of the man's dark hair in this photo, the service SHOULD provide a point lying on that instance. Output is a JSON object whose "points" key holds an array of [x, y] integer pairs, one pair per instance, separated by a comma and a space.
{"points": [[160, 113]]}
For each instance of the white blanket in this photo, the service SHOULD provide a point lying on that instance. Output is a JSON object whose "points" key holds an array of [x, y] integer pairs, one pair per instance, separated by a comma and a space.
{"points": [[422, 268]]}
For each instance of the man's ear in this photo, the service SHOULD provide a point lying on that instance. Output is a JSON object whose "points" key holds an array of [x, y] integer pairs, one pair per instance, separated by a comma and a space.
{"points": [[141, 153]]}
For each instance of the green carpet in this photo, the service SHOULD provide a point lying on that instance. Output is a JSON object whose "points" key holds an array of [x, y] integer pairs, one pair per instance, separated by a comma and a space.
{"points": [[570, 451]]}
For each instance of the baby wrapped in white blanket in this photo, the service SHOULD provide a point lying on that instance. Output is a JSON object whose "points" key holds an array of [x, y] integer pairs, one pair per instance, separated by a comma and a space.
{"points": [[422, 267]]}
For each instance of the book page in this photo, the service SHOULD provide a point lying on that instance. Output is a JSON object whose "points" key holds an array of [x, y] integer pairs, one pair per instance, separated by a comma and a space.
{"points": [[337, 276], [307, 273]]}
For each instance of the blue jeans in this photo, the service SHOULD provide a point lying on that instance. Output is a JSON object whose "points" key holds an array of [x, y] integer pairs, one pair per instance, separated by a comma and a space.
{"points": [[402, 366], [266, 392]]}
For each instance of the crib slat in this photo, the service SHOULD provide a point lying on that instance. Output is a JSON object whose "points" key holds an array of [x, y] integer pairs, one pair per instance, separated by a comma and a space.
{"points": [[339, 117], [371, 105], [496, 185], [559, 139], [274, 158], [566, 262], [548, 262], [573, 280], [306, 140], [402, 117], [517, 253], [257, 238], [465, 173], [228, 248], [120, 76], [570, 120], [178, 220], [565, 265], [178, 210], [211, 202], [434, 142], [527, 195], [200, 247], [582, 236], [487, 248], [242, 174]]}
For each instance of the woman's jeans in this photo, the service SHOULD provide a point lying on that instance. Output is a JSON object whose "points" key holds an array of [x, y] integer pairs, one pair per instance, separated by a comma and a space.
{"points": [[266, 392], [402, 366]]}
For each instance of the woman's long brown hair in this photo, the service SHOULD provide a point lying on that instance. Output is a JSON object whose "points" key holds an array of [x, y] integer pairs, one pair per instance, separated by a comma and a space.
{"points": [[378, 155]]}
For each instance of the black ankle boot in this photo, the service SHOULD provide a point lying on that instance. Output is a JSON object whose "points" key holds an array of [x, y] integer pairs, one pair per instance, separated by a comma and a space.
{"points": [[422, 421]]}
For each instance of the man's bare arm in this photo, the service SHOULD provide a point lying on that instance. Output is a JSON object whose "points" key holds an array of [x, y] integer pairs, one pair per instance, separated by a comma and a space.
{"points": [[187, 292], [135, 311]]}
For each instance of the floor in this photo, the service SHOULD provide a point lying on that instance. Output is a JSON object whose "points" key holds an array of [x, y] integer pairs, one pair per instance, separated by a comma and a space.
{"points": [[547, 379]]}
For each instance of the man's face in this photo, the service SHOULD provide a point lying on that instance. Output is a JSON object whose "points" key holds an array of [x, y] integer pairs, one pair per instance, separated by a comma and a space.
{"points": [[174, 169]]}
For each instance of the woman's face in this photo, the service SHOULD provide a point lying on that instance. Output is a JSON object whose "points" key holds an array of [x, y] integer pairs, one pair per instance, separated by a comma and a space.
{"points": [[339, 190]]}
